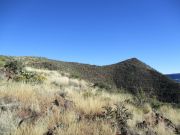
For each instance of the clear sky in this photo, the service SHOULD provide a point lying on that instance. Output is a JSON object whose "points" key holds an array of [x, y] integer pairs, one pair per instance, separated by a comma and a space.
{"points": [[93, 31]]}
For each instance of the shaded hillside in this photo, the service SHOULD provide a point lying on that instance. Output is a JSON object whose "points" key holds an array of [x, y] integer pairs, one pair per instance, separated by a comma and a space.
{"points": [[175, 77], [134, 75], [131, 75]]}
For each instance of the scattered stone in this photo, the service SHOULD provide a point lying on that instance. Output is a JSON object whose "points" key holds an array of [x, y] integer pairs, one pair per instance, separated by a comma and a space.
{"points": [[52, 131], [61, 101], [49, 132], [56, 102], [28, 116], [150, 132], [142, 125], [63, 94]]}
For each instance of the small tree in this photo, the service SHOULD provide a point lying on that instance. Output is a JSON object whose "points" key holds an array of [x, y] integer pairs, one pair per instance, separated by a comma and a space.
{"points": [[12, 68]]}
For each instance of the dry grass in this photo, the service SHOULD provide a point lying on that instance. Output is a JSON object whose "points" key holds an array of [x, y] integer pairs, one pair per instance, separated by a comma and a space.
{"points": [[162, 130], [171, 113], [87, 100]]}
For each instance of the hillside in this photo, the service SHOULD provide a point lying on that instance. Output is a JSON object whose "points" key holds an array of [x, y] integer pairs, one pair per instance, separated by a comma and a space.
{"points": [[40, 101], [131, 75], [175, 77]]}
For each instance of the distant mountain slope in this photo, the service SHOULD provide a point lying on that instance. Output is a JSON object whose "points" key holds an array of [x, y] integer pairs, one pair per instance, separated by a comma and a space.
{"points": [[131, 75], [175, 77]]}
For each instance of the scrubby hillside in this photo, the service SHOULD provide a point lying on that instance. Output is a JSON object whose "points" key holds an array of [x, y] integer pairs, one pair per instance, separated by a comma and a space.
{"points": [[131, 76], [65, 105]]}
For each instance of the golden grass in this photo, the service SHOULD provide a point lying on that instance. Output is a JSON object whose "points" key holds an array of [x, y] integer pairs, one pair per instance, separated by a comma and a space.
{"points": [[87, 100], [171, 113], [162, 130]]}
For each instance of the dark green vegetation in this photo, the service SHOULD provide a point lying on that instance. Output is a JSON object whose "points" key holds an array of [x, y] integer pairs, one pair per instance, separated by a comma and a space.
{"points": [[131, 76], [13, 68]]}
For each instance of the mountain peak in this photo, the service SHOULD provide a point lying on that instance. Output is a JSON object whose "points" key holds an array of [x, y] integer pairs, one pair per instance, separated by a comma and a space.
{"points": [[134, 60], [131, 75]]}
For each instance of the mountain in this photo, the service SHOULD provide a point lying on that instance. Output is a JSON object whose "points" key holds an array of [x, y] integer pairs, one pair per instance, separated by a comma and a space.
{"points": [[131, 75], [175, 77]]}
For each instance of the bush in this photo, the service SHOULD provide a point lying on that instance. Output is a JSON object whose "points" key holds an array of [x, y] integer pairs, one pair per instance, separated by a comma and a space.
{"points": [[74, 76], [30, 77], [13, 68], [141, 98], [120, 116], [155, 103]]}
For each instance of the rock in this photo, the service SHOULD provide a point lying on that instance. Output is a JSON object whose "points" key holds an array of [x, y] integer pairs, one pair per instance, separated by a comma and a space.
{"points": [[63, 94], [126, 131], [56, 102], [28, 116], [142, 125], [52, 130], [61, 101], [49, 132], [150, 132], [177, 129]]}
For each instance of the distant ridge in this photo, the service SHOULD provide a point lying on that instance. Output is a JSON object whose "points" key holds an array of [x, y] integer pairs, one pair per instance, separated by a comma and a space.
{"points": [[131, 75], [175, 77]]}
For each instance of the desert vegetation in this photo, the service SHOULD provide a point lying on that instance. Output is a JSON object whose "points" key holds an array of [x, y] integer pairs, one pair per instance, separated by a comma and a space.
{"points": [[61, 104]]}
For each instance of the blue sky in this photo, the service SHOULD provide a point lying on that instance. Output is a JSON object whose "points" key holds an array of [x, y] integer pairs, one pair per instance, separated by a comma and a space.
{"points": [[93, 31]]}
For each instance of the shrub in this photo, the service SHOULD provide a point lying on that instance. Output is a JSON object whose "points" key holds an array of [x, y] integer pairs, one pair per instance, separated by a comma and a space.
{"points": [[13, 68], [140, 99], [30, 77], [120, 115], [155, 103], [74, 76]]}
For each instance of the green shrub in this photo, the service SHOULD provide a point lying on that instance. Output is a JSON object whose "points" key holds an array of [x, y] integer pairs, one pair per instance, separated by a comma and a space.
{"points": [[30, 77], [120, 116], [74, 76], [155, 103], [13, 68], [140, 99]]}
